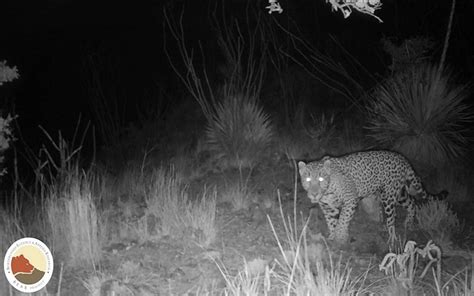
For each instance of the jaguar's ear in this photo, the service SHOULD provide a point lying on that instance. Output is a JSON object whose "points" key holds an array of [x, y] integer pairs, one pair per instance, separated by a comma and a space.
{"points": [[301, 166], [327, 164]]}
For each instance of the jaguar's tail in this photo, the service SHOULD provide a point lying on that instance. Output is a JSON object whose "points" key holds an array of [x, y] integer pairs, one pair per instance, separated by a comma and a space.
{"points": [[426, 197], [419, 194]]}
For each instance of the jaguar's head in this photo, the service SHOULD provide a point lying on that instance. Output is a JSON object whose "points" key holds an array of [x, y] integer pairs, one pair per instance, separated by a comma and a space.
{"points": [[315, 178]]}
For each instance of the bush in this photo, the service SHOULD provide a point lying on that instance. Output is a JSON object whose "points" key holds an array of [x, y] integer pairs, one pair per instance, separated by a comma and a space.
{"points": [[421, 113], [6, 137], [7, 74], [239, 132], [439, 221]]}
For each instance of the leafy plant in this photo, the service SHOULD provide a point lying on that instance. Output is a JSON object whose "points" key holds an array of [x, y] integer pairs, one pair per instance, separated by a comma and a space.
{"points": [[421, 113]]}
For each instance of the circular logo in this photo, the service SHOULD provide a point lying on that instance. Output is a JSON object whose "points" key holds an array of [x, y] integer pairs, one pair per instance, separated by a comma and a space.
{"points": [[28, 265]]}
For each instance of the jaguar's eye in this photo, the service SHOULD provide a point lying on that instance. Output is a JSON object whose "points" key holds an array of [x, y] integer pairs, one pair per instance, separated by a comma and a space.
{"points": [[308, 179], [321, 179]]}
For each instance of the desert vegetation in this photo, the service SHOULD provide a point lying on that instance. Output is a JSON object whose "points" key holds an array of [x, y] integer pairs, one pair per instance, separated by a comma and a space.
{"points": [[198, 193]]}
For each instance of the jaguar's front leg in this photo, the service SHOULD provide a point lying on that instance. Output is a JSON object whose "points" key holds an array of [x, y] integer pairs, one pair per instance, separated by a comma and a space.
{"points": [[331, 214], [345, 217]]}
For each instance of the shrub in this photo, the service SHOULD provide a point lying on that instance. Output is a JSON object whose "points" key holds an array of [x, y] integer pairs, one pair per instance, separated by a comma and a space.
{"points": [[7, 74], [421, 113], [411, 51], [239, 132], [439, 221], [6, 137]]}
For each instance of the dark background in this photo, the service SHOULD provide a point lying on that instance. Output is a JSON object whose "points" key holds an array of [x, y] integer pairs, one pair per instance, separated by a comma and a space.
{"points": [[49, 42]]}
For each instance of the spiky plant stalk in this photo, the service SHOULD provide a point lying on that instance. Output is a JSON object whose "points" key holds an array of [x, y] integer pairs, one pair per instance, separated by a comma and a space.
{"points": [[446, 38], [239, 132], [421, 113]]}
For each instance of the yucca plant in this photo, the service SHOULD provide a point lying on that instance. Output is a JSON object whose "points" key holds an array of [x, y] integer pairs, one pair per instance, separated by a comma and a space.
{"points": [[421, 113], [239, 132]]}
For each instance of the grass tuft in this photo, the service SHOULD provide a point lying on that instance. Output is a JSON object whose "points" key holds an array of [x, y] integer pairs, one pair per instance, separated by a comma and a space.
{"points": [[74, 220], [10, 231], [304, 269], [252, 279], [170, 211]]}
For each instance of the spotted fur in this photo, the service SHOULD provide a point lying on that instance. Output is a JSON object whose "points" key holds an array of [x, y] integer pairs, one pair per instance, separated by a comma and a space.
{"points": [[338, 183]]}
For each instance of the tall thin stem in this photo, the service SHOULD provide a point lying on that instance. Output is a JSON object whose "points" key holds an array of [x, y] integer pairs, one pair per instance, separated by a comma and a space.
{"points": [[446, 39]]}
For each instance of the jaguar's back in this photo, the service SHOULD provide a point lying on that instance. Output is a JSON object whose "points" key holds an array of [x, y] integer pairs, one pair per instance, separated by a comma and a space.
{"points": [[373, 171]]}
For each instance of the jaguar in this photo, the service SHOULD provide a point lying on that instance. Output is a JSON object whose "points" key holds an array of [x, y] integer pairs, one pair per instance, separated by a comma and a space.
{"points": [[337, 184]]}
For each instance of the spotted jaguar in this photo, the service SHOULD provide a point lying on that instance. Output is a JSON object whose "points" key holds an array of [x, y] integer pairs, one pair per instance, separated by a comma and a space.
{"points": [[338, 183]]}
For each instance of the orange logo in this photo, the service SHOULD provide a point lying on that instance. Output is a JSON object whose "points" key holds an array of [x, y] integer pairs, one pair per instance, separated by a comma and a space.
{"points": [[28, 265]]}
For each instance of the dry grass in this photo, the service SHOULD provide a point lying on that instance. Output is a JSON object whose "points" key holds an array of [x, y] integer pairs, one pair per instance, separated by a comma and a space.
{"points": [[11, 230], [173, 213], [238, 195], [252, 279], [238, 192], [459, 284], [165, 200], [74, 221], [200, 216], [68, 202], [306, 269], [302, 269]]}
